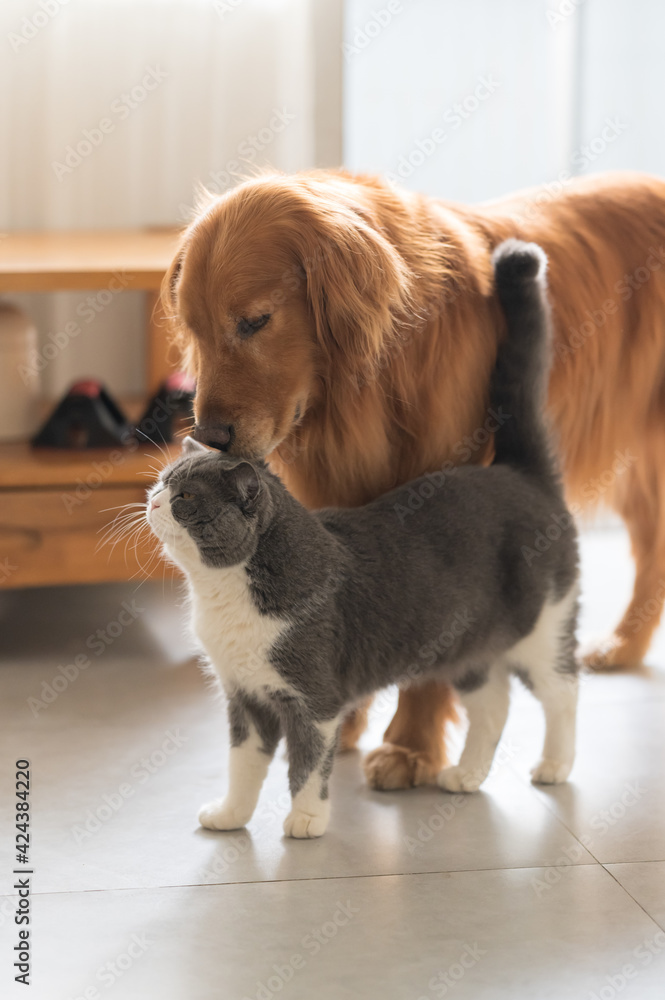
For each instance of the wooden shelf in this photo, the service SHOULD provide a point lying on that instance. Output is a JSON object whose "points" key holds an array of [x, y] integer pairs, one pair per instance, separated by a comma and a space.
{"points": [[56, 504], [24, 467], [57, 262]]}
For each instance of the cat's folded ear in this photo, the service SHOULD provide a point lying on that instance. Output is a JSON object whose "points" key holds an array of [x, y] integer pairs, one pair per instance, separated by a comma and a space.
{"points": [[248, 485], [192, 447]]}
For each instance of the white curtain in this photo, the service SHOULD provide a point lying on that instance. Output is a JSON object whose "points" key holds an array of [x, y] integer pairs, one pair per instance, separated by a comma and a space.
{"points": [[112, 110]]}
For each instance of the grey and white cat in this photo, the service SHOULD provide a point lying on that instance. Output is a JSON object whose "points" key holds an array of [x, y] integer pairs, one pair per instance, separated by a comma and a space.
{"points": [[303, 614]]}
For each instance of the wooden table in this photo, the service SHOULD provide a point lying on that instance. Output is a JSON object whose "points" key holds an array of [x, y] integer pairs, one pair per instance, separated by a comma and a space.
{"points": [[53, 504]]}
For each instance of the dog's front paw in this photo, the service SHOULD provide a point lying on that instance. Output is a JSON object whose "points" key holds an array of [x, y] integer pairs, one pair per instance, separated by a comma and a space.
{"points": [[458, 779], [391, 767], [551, 772], [303, 824], [223, 815]]}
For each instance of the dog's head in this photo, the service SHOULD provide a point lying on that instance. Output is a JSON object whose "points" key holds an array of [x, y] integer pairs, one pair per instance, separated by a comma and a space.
{"points": [[279, 287]]}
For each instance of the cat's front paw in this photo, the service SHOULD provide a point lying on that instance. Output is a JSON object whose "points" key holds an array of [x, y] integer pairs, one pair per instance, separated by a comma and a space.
{"points": [[223, 815], [303, 824], [458, 779], [551, 772]]}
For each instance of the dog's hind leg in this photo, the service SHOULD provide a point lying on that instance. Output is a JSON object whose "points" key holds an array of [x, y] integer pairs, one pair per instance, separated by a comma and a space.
{"points": [[640, 499]]}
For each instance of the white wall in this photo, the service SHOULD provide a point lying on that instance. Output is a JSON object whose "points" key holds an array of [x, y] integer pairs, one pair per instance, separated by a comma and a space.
{"points": [[559, 77], [622, 77]]}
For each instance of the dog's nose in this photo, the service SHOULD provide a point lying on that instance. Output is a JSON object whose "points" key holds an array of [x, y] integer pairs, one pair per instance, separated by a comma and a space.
{"points": [[217, 436]]}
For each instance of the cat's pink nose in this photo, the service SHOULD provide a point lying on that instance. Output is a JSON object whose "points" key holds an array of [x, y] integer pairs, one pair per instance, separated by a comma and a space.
{"points": [[154, 505]]}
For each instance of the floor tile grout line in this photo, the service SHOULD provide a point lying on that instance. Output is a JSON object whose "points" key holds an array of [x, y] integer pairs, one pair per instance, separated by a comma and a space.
{"points": [[603, 864], [650, 861], [630, 896], [316, 878], [545, 802], [330, 878]]}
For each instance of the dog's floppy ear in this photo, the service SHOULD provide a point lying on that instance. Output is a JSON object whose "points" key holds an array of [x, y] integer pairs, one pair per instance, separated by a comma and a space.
{"points": [[180, 339], [357, 286]]}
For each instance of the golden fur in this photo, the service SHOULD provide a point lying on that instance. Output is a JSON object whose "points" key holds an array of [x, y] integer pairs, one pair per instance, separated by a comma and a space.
{"points": [[374, 366]]}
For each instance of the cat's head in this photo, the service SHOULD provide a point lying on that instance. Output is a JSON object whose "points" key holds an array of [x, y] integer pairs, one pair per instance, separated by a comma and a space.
{"points": [[208, 509]]}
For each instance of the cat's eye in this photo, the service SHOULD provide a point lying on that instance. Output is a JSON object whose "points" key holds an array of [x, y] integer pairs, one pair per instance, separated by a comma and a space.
{"points": [[187, 496], [247, 327]]}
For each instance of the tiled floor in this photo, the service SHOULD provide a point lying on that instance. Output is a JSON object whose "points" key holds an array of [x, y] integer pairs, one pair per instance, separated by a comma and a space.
{"points": [[513, 893]]}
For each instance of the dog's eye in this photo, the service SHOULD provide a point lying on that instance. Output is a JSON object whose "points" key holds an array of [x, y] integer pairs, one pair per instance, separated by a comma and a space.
{"points": [[187, 496], [247, 327]]}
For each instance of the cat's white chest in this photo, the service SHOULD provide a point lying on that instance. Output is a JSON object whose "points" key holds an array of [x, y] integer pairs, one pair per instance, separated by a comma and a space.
{"points": [[235, 636]]}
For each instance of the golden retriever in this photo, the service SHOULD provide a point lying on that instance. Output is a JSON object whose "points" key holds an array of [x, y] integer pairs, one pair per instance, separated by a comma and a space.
{"points": [[347, 330]]}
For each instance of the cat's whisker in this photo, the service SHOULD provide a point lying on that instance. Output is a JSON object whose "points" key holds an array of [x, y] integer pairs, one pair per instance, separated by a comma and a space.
{"points": [[131, 543], [114, 533], [117, 530], [154, 555], [154, 467], [120, 521], [156, 444], [123, 506]]}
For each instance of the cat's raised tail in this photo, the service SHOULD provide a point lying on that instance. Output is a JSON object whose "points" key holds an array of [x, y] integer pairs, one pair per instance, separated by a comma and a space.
{"points": [[519, 382]]}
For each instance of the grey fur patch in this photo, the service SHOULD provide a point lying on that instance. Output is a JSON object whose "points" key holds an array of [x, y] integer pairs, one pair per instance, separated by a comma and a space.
{"points": [[327, 766], [304, 742], [242, 709], [471, 680], [566, 660], [524, 676]]}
